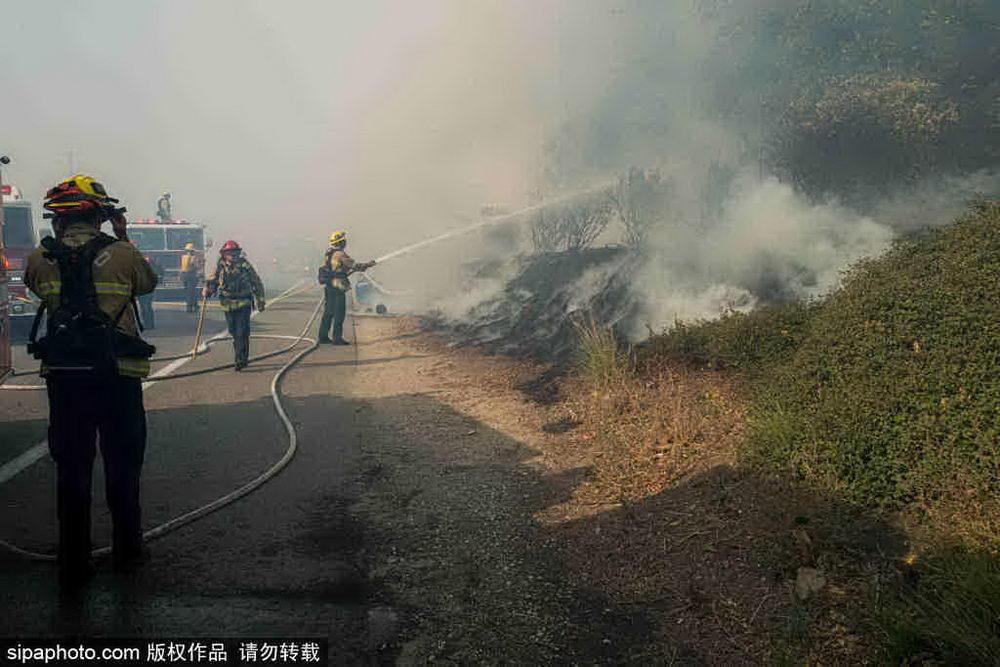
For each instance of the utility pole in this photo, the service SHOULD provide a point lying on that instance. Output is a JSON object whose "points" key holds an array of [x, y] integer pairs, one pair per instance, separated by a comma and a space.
{"points": [[4, 161], [5, 358], [760, 137]]}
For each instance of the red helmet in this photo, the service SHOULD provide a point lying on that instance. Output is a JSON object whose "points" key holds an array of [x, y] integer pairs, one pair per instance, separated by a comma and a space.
{"points": [[229, 246]]}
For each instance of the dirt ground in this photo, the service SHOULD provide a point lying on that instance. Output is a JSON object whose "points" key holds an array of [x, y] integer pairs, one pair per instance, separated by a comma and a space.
{"points": [[452, 506], [516, 520]]}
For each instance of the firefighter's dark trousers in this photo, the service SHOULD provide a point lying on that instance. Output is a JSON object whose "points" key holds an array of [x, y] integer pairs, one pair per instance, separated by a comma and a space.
{"points": [[190, 291], [334, 310], [238, 322], [146, 311], [83, 412]]}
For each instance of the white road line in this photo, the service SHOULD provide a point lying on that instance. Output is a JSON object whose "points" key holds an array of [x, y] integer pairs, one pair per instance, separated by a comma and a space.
{"points": [[22, 462]]}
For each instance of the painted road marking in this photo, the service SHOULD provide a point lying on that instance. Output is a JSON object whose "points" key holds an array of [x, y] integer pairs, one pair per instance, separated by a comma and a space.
{"points": [[25, 460]]}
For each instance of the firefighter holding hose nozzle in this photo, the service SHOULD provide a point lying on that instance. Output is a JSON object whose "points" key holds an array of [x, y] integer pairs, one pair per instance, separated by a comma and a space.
{"points": [[93, 362], [239, 288], [334, 276]]}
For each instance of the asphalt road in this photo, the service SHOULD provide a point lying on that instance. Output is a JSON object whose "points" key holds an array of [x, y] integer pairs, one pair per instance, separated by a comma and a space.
{"points": [[403, 530], [280, 563]]}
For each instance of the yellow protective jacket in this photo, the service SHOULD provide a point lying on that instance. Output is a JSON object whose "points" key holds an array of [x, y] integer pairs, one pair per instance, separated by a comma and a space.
{"points": [[341, 264], [190, 263], [120, 274]]}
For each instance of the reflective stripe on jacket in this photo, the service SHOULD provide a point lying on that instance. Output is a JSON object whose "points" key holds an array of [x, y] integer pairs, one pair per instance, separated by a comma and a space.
{"points": [[237, 283], [120, 273]]}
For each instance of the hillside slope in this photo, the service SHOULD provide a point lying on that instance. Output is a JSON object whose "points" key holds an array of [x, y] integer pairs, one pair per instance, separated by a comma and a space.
{"points": [[893, 390]]}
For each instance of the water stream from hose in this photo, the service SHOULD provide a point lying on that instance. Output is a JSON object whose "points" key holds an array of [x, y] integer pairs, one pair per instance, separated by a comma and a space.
{"points": [[497, 220]]}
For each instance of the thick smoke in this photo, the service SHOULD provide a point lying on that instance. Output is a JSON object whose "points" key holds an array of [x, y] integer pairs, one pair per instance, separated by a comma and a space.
{"points": [[674, 90], [280, 122], [768, 244]]}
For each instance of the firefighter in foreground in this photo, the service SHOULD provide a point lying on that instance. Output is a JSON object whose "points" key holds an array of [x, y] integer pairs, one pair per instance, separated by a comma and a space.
{"points": [[239, 288], [334, 275], [190, 270], [93, 362]]}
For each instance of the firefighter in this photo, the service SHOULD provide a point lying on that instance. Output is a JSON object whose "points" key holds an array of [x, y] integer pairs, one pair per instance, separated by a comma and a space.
{"points": [[334, 276], [91, 401], [239, 288], [164, 212], [191, 267], [147, 313]]}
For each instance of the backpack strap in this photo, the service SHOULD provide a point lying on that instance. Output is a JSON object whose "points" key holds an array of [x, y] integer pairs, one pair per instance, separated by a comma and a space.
{"points": [[76, 272], [95, 246], [33, 336], [135, 311]]}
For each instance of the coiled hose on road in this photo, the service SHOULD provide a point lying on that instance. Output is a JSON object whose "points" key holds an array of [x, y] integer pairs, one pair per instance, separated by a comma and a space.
{"points": [[249, 487]]}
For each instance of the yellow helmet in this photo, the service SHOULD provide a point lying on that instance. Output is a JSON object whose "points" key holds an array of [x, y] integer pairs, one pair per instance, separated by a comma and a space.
{"points": [[338, 237], [189, 246], [78, 194]]}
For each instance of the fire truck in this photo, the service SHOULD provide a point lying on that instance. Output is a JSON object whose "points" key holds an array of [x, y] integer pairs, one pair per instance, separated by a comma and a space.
{"points": [[163, 243], [19, 239], [5, 360]]}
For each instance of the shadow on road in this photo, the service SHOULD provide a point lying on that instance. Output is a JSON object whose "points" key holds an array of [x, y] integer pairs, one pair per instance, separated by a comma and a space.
{"points": [[721, 560], [406, 530]]}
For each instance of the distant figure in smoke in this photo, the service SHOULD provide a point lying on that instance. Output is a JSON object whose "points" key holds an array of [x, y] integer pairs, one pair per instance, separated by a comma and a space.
{"points": [[239, 287], [334, 277], [163, 208]]}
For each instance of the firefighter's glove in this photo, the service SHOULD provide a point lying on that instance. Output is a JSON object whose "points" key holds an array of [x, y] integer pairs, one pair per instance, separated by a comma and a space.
{"points": [[118, 225], [260, 306]]}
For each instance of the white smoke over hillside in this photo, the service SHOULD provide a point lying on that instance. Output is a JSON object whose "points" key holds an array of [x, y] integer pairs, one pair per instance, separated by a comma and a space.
{"points": [[769, 243], [280, 122]]}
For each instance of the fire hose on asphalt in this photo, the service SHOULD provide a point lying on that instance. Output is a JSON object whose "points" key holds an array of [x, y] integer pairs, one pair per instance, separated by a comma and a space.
{"points": [[263, 478], [198, 348], [249, 487]]}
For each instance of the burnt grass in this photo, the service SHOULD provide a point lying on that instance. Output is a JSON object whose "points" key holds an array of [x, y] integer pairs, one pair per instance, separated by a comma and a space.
{"points": [[535, 314], [876, 405]]}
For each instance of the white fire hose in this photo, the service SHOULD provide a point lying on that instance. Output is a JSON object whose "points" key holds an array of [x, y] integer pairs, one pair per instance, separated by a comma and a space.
{"points": [[249, 487]]}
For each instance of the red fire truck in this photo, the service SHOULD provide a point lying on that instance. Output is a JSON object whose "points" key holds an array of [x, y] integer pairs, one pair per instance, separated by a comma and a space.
{"points": [[164, 243], [5, 361], [19, 239]]}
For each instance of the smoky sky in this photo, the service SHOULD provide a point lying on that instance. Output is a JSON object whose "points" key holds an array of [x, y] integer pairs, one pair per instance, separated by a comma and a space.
{"points": [[276, 122]]}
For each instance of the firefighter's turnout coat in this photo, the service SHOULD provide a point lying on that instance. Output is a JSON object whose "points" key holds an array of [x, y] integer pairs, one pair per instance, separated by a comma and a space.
{"points": [[340, 264], [120, 274], [237, 283]]}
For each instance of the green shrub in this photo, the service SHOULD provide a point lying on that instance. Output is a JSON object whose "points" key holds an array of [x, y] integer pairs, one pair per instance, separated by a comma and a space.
{"points": [[737, 340], [950, 610], [887, 390], [893, 392]]}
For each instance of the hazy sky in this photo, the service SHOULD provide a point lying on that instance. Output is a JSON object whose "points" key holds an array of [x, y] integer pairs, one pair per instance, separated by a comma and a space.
{"points": [[286, 118]]}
